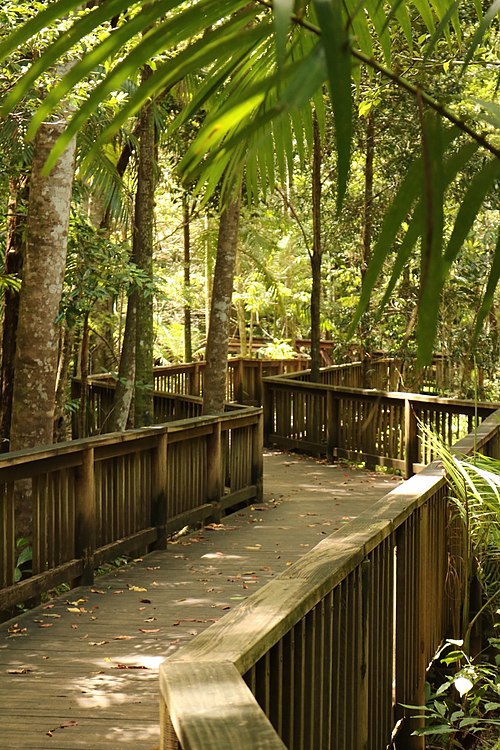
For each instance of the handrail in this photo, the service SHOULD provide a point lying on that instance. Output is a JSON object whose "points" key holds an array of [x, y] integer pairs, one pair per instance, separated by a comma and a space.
{"points": [[96, 498], [316, 645], [375, 426]]}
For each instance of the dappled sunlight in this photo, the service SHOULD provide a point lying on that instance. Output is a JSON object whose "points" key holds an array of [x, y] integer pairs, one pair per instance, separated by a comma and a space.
{"points": [[219, 555]]}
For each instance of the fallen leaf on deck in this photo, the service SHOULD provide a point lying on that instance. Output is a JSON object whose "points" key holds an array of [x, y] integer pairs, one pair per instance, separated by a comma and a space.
{"points": [[136, 588], [149, 630], [97, 591], [150, 619], [64, 725], [130, 666], [21, 670], [214, 526], [256, 546], [45, 625], [145, 601], [123, 637], [157, 567], [98, 643]]}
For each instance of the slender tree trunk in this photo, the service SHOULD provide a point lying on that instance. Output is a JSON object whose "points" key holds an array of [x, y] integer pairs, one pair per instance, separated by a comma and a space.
{"points": [[66, 351], [240, 310], [367, 228], [43, 273], [208, 275], [188, 344], [135, 373], [214, 384], [142, 254], [316, 254], [124, 391], [16, 225]]}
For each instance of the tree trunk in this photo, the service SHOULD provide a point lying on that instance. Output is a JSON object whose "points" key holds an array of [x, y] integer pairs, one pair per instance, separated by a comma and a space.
{"points": [[124, 391], [16, 225], [214, 384], [135, 373], [240, 310], [316, 256], [188, 344], [142, 255], [66, 352], [43, 273], [367, 230]]}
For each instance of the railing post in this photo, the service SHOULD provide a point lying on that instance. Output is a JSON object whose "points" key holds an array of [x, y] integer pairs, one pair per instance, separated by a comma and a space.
{"points": [[267, 407], [239, 374], [214, 469], [257, 456], [168, 738], [159, 510], [85, 528], [332, 425], [411, 439]]}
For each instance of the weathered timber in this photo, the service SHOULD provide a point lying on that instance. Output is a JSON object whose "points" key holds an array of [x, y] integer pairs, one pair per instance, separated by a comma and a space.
{"points": [[363, 596], [377, 427], [97, 498]]}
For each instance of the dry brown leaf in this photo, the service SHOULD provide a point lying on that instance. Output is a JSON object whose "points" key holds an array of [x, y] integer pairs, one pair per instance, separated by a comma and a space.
{"points": [[20, 670]]}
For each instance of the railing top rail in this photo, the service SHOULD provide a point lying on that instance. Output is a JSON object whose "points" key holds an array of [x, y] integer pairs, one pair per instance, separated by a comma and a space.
{"points": [[372, 393], [246, 634], [72, 447]]}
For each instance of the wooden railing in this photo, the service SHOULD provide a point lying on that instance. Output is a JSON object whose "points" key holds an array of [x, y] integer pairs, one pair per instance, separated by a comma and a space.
{"points": [[324, 656], [245, 385], [177, 391], [94, 499], [244, 377], [377, 427]]}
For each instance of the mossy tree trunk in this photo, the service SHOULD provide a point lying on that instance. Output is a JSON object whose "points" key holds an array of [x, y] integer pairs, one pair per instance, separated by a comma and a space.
{"points": [[14, 253], [37, 349], [316, 255], [214, 384]]}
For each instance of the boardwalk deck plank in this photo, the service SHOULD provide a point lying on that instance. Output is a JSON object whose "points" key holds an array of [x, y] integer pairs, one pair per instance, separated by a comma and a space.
{"points": [[96, 664]]}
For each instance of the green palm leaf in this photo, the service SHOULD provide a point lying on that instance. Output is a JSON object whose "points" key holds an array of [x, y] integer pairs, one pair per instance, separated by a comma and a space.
{"points": [[338, 61]]}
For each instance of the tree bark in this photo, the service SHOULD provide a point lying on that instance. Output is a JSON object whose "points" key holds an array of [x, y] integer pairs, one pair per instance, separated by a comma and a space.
{"points": [[135, 373], [188, 344], [43, 273], [124, 391], [142, 255], [214, 384], [315, 257], [367, 230], [16, 225]]}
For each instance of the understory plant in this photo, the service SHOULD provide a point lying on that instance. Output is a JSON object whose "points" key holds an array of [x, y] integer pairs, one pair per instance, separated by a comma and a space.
{"points": [[463, 706]]}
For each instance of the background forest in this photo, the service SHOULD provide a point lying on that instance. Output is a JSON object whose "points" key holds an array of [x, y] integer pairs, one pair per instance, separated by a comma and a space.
{"points": [[130, 280]]}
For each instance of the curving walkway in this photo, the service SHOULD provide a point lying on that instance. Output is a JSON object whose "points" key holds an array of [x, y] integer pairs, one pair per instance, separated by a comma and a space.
{"points": [[81, 672]]}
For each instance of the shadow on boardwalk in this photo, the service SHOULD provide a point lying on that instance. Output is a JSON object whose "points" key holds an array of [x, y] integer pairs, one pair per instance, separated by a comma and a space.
{"points": [[81, 672]]}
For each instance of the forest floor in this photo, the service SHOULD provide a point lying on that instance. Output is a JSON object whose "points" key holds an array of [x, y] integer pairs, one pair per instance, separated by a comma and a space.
{"points": [[81, 671]]}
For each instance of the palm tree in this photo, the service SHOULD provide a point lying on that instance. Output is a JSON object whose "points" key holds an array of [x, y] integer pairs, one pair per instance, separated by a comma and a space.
{"points": [[262, 66]]}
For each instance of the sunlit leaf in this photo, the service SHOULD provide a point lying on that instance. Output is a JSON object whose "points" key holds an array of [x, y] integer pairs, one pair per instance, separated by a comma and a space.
{"points": [[338, 60], [479, 186], [431, 273], [283, 10], [489, 294]]}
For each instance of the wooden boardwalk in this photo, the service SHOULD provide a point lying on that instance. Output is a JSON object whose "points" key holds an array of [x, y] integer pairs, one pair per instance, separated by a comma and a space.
{"points": [[82, 671]]}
